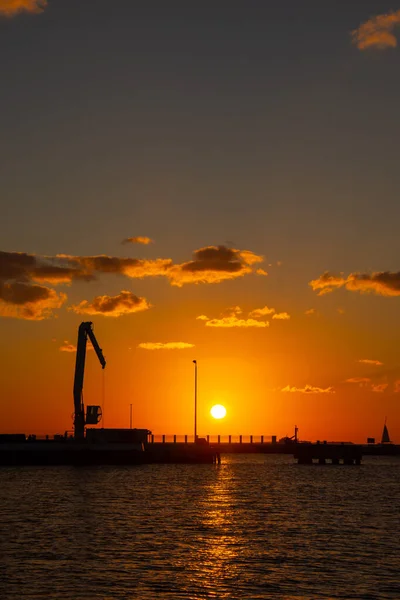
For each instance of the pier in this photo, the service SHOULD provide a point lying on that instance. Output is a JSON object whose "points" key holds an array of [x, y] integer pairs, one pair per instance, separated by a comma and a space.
{"points": [[224, 444], [324, 453]]}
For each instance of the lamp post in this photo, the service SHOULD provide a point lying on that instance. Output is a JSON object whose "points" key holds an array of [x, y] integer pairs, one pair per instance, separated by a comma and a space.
{"points": [[130, 416], [195, 400]]}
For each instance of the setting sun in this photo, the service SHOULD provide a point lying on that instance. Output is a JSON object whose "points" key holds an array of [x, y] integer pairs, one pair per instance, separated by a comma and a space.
{"points": [[218, 411]]}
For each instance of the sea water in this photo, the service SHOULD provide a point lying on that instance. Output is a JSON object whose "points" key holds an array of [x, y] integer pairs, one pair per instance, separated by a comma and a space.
{"points": [[254, 527]]}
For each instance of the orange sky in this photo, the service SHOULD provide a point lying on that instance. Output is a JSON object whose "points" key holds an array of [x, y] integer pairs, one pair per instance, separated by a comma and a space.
{"points": [[303, 370]]}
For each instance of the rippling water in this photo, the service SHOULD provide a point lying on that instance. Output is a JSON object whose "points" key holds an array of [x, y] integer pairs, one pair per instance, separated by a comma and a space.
{"points": [[254, 527]]}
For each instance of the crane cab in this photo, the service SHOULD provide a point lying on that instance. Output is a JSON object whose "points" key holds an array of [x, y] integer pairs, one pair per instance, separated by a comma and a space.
{"points": [[93, 415]]}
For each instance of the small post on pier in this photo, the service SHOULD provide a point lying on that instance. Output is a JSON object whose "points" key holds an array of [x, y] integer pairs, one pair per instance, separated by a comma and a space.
{"points": [[195, 400]]}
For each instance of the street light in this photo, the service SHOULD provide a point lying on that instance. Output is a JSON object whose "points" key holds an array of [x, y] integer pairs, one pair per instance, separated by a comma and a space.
{"points": [[195, 400], [130, 416]]}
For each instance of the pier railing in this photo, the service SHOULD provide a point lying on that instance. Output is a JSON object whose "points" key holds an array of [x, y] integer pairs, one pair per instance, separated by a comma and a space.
{"points": [[212, 439]]}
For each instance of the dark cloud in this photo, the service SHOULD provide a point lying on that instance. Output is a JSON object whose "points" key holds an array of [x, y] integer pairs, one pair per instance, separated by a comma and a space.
{"points": [[21, 293], [26, 301], [20, 266], [134, 268], [214, 264], [16, 265], [383, 283], [112, 306], [10, 8]]}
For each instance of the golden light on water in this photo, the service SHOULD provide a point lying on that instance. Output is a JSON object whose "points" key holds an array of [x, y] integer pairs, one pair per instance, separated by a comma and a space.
{"points": [[218, 411]]}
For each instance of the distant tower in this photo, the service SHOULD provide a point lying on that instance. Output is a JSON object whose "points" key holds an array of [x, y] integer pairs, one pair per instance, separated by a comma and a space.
{"points": [[385, 435]]}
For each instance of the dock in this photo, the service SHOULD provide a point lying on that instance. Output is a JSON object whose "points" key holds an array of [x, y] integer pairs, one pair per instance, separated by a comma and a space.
{"points": [[324, 453]]}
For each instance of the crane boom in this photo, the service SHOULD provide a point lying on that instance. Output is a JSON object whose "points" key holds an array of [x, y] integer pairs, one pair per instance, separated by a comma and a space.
{"points": [[85, 330]]}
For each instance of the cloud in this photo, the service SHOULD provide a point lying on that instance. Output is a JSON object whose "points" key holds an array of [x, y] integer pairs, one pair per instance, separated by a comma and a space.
{"points": [[366, 382], [341, 311], [112, 306], [379, 387], [377, 32], [31, 302], [284, 316], [383, 283], [368, 361], [310, 311], [130, 267], [139, 239], [214, 264], [67, 347], [261, 312], [10, 8], [21, 266], [308, 389], [230, 318], [165, 345], [261, 272], [211, 264], [234, 321]]}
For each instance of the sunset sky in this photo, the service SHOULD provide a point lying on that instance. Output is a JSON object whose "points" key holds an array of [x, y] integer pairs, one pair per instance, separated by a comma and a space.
{"points": [[215, 181]]}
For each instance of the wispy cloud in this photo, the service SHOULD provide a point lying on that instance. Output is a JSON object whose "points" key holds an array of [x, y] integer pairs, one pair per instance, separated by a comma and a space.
{"points": [[308, 389], [383, 283], [367, 383], [112, 306], [379, 387], [377, 32], [67, 347], [369, 361], [139, 239], [256, 318], [360, 380], [165, 345], [283, 316], [310, 311], [261, 312], [10, 8], [233, 321]]}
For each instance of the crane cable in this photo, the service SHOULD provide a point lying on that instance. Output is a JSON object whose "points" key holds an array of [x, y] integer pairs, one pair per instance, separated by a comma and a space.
{"points": [[103, 398]]}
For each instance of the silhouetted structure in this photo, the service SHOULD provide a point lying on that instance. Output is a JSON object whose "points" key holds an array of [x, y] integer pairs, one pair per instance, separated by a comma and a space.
{"points": [[385, 435], [93, 414], [335, 454]]}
